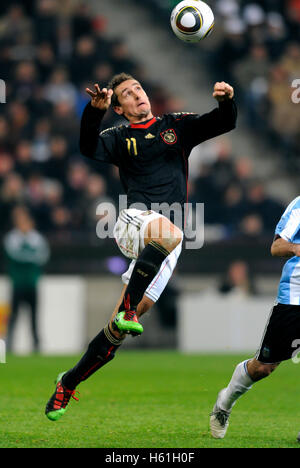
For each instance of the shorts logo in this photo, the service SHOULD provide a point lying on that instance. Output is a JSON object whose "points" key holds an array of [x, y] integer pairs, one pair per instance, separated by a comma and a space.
{"points": [[142, 273], [266, 352], [169, 136], [146, 213]]}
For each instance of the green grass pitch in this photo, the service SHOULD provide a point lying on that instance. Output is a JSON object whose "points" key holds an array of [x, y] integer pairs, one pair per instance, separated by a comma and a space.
{"points": [[146, 399]]}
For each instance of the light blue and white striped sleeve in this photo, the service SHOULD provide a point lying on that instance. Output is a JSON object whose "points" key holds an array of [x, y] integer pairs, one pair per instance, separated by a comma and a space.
{"points": [[289, 224]]}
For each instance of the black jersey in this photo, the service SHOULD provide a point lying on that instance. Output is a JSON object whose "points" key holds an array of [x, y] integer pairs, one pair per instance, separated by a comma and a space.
{"points": [[152, 156]]}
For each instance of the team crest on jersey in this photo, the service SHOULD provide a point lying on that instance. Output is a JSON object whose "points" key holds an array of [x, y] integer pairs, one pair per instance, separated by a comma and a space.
{"points": [[169, 136]]}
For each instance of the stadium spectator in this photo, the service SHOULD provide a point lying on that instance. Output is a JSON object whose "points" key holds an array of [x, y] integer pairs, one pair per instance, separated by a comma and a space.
{"points": [[23, 155], [237, 280], [27, 252], [94, 194], [268, 209], [251, 227], [233, 208], [59, 88]]}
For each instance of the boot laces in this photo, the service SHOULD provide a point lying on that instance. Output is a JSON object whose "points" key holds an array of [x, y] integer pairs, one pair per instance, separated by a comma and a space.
{"points": [[221, 415], [129, 315], [67, 394]]}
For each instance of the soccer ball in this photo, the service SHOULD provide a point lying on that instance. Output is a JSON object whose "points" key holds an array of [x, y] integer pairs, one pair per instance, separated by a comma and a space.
{"points": [[192, 20]]}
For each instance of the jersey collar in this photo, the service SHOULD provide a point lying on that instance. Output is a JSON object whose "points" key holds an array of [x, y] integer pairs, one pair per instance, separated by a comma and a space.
{"points": [[144, 124]]}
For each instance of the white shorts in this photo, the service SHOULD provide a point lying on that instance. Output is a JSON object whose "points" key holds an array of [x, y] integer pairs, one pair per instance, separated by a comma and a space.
{"points": [[129, 234]]}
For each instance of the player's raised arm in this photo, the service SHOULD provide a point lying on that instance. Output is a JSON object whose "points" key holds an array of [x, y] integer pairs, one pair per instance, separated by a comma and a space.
{"points": [[225, 116], [199, 128], [90, 144]]}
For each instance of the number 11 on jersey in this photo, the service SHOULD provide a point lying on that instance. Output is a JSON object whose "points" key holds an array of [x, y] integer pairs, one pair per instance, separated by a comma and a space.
{"points": [[131, 142]]}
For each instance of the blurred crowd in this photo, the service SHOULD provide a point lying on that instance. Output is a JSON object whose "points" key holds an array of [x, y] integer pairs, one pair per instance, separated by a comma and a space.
{"points": [[234, 197], [51, 51], [256, 46], [258, 49]]}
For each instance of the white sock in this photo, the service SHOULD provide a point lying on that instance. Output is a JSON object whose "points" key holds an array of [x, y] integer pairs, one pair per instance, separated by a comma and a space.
{"points": [[239, 384]]}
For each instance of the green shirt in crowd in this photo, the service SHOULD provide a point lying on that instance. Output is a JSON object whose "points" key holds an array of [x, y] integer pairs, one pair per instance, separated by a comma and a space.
{"points": [[26, 254]]}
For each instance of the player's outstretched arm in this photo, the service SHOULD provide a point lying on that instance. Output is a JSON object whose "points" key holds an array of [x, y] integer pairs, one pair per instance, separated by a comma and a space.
{"points": [[199, 128], [90, 144], [282, 248]]}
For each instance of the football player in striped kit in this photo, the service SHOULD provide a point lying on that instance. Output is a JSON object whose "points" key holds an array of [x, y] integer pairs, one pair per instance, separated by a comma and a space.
{"points": [[281, 337]]}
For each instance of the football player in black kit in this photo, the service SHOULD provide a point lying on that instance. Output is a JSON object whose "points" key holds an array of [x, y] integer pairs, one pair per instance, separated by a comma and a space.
{"points": [[152, 156]]}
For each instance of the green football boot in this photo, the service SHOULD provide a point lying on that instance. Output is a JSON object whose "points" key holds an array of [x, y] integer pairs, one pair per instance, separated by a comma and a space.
{"points": [[127, 322], [57, 405]]}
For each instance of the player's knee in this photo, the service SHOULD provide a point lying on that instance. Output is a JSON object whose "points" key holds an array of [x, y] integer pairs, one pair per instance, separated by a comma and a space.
{"points": [[171, 238], [176, 239], [262, 370], [164, 233]]}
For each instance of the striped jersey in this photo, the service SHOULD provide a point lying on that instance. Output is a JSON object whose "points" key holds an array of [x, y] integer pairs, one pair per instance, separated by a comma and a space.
{"points": [[289, 229]]}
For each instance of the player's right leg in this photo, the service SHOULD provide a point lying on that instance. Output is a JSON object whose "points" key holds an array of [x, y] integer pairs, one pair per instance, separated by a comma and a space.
{"points": [[102, 349], [152, 238], [282, 328], [244, 376]]}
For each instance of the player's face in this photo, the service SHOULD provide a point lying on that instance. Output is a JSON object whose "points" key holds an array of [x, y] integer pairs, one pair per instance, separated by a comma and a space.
{"points": [[134, 102]]}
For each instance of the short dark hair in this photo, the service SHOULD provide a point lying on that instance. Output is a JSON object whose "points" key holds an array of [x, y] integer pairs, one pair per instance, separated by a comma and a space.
{"points": [[116, 81]]}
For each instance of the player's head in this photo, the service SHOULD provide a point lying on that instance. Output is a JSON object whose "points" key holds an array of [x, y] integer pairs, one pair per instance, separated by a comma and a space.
{"points": [[129, 98]]}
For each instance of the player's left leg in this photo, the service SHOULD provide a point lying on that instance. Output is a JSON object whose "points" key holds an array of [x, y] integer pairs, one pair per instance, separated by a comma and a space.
{"points": [[100, 351], [244, 376]]}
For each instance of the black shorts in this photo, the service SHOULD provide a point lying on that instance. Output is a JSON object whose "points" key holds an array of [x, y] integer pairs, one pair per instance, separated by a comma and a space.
{"points": [[281, 339]]}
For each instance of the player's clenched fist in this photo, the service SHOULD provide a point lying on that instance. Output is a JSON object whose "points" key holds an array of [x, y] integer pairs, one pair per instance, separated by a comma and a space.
{"points": [[101, 98], [223, 91]]}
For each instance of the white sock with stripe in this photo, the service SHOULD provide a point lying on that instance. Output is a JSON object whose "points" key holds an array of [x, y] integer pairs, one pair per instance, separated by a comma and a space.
{"points": [[239, 384]]}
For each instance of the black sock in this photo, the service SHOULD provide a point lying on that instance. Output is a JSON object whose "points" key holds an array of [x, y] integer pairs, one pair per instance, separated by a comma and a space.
{"points": [[100, 351], [145, 269]]}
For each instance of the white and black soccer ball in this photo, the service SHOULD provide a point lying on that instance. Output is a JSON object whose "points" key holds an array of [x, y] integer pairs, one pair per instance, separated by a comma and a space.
{"points": [[192, 20]]}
